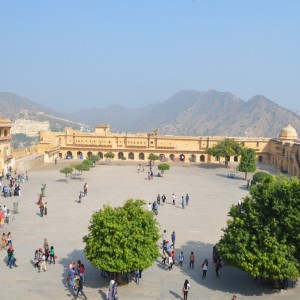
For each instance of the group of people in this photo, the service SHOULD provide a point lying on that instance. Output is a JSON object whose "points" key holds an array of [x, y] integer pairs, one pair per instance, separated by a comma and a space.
{"points": [[161, 200], [83, 193], [4, 215], [75, 278], [44, 255], [168, 258], [140, 167], [6, 244], [12, 189], [42, 206]]}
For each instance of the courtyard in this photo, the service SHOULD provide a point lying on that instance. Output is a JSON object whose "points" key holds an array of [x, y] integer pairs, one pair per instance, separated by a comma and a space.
{"points": [[198, 229]]}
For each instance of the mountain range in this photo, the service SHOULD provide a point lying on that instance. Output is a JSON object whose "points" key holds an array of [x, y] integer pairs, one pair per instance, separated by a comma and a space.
{"points": [[186, 113]]}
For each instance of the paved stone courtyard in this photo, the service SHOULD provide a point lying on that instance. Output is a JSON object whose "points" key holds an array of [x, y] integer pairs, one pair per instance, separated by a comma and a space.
{"points": [[198, 228]]}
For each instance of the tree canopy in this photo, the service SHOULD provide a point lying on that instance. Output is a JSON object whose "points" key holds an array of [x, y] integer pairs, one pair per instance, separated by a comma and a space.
{"points": [[263, 235], [260, 176], [226, 148], [66, 171], [163, 167], [88, 162], [152, 157], [81, 167], [122, 239], [248, 162], [94, 158], [109, 155]]}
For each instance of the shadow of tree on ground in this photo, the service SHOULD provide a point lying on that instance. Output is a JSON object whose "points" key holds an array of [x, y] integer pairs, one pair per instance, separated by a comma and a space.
{"points": [[231, 280], [92, 278]]}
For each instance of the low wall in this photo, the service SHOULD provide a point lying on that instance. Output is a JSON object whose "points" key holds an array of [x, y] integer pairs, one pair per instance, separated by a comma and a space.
{"points": [[28, 163]]}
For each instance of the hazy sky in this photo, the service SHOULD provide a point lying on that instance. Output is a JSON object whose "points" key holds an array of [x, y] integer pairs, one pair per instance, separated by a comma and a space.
{"points": [[72, 54]]}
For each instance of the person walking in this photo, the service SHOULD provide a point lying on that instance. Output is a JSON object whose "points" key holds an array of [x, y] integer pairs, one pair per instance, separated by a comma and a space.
{"points": [[52, 255], [79, 286], [192, 260], [71, 277], [163, 198], [204, 267], [218, 267], [164, 237], [3, 241], [170, 267], [158, 199], [181, 259], [9, 239], [164, 257], [12, 259], [185, 289], [114, 291], [42, 207], [173, 239], [137, 276], [45, 209], [182, 202], [85, 189], [187, 199], [43, 264], [173, 199]]}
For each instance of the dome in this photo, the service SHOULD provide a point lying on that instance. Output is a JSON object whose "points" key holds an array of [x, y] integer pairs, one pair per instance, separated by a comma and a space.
{"points": [[288, 133]]}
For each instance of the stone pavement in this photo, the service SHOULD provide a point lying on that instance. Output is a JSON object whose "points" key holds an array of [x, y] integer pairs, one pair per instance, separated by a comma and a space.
{"points": [[198, 228]]}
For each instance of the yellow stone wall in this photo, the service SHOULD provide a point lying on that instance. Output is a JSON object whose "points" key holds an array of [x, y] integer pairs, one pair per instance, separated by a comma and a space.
{"points": [[137, 147], [5, 144]]}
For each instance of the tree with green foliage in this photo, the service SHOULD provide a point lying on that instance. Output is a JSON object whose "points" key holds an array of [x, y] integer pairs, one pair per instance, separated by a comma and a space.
{"points": [[263, 235], [152, 158], [109, 155], [260, 176], [94, 158], [226, 148], [67, 171], [248, 161], [163, 167], [88, 162], [81, 167], [122, 239]]}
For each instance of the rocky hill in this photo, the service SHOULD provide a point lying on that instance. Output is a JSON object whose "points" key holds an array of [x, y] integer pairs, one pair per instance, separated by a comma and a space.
{"points": [[186, 113], [16, 107]]}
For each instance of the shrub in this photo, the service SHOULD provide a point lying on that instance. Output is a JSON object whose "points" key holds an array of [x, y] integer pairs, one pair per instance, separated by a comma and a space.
{"points": [[260, 176]]}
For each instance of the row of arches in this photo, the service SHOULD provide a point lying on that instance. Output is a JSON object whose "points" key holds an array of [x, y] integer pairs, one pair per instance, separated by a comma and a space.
{"points": [[162, 157], [140, 156]]}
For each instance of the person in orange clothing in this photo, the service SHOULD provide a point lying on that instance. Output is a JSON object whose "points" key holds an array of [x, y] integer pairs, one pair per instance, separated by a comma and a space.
{"points": [[192, 260]]}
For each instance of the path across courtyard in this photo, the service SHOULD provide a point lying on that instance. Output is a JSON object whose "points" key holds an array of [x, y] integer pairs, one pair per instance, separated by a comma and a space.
{"points": [[198, 228]]}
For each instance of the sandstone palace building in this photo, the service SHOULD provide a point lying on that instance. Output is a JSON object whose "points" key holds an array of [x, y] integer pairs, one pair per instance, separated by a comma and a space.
{"points": [[282, 152], [5, 144]]}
